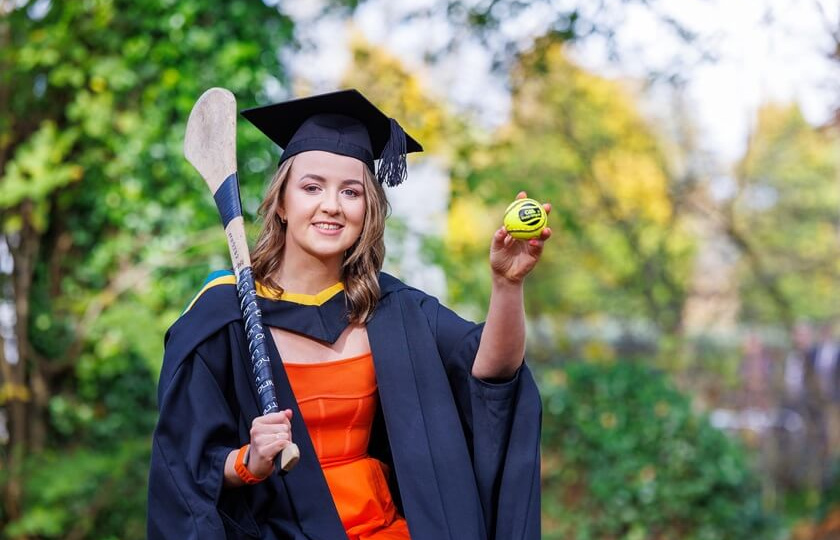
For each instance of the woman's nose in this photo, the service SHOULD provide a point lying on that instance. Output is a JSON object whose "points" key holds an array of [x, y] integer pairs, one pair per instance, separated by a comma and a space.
{"points": [[330, 203]]}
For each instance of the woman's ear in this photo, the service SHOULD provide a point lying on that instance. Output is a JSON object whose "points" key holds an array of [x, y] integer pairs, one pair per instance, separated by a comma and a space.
{"points": [[281, 214]]}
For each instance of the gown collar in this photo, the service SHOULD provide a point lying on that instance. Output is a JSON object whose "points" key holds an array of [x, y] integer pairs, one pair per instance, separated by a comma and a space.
{"points": [[299, 298], [322, 316]]}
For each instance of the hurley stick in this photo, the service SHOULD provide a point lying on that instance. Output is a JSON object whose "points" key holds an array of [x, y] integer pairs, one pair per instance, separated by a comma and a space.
{"points": [[210, 146]]}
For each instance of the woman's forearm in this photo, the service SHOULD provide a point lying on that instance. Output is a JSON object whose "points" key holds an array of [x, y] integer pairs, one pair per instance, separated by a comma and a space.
{"points": [[502, 346]]}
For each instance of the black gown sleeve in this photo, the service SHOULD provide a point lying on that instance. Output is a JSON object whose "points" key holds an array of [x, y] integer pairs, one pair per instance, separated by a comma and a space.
{"points": [[491, 412], [197, 429], [457, 342]]}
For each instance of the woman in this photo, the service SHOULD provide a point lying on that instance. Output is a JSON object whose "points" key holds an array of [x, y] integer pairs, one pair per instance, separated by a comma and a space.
{"points": [[409, 419]]}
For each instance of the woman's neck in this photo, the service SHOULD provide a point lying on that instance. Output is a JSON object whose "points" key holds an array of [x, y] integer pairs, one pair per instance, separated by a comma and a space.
{"points": [[306, 275]]}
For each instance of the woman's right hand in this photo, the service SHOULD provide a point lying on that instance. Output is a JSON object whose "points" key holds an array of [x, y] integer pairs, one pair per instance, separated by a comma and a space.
{"points": [[270, 434]]}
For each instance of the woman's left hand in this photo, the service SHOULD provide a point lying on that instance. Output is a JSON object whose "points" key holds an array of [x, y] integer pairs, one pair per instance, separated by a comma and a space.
{"points": [[513, 259]]}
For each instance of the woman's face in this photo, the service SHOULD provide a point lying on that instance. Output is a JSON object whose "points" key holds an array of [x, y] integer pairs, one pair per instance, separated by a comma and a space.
{"points": [[323, 204]]}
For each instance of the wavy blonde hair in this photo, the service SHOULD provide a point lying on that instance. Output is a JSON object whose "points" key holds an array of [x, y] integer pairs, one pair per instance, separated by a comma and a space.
{"points": [[362, 262]]}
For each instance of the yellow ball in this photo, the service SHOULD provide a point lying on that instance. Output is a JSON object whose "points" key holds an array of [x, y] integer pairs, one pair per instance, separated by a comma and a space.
{"points": [[525, 218]]}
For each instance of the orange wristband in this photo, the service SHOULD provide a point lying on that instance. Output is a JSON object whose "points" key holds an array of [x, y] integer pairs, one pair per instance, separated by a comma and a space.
{"points": [[242, 471]]}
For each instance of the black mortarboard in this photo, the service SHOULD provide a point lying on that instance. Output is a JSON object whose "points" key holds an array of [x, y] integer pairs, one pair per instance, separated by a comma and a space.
{"points": [[342, 122]]}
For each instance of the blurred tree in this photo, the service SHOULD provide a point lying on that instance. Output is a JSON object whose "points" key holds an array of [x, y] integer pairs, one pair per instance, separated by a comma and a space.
{"points": [[784, 217], [97, 207], [576, 140], [507, 28]]}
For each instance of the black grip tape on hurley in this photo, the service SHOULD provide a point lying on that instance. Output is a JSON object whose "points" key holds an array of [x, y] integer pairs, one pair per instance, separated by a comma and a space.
{"points": [[228, 201], [256, 335], [255, 332]]}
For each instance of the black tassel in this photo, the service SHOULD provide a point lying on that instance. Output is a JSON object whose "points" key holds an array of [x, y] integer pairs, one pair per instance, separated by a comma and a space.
{"points": [[392, 166]]}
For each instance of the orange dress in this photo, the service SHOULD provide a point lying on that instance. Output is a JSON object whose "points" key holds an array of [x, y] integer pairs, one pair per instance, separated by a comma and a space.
{"points": [[338, 401]]}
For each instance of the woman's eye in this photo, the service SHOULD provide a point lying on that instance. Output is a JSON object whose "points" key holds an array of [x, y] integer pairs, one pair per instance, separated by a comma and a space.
{"points": [[311, 188], [351, 192]]}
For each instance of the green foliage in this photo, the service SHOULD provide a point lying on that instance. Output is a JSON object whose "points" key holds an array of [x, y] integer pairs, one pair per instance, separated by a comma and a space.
{"points": [[97, 94], [829, 502], [38, 166], [625, 456], [87, 494]]}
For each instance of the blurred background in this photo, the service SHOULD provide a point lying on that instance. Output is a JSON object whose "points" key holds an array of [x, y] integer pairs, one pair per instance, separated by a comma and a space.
{"points": [[684, 321]]}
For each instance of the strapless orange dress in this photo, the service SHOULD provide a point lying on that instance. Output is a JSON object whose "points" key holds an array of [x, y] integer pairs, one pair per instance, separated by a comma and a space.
{"points": [[338, 401]]}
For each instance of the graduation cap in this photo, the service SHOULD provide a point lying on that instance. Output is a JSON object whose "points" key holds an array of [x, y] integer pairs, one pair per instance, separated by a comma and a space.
{"points": [[342, 122]]}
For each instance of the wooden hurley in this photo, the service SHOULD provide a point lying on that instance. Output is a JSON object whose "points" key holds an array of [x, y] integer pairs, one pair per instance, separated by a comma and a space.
{"points": [[210, 146]]}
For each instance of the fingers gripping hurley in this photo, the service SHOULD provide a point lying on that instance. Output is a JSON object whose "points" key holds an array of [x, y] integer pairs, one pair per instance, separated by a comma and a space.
{"points": [[210, 146]]}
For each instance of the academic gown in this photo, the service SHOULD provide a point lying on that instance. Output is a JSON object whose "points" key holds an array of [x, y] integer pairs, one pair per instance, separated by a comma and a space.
{"points": [[464, 453]]}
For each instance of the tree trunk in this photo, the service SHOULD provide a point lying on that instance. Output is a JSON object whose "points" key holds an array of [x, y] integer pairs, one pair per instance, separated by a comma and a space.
{"points": [[15, 396], [27, 426]]}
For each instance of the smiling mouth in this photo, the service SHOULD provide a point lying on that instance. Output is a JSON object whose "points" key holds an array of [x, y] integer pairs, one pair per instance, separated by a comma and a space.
{"points": [[328, 226]]}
